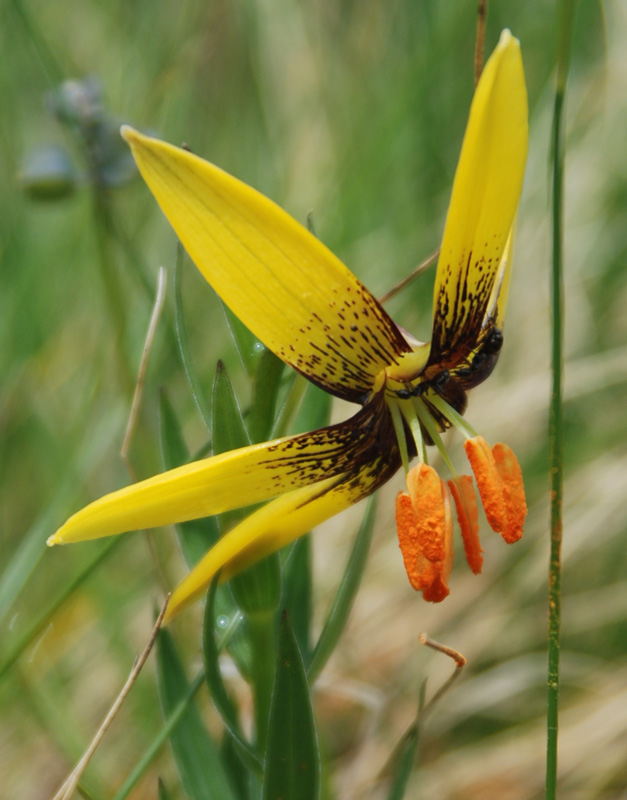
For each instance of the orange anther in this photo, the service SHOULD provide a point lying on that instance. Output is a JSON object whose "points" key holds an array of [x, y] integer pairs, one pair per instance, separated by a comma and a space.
{"points": [[463, 492], [489, 482], [424, 524], [513, 491]]}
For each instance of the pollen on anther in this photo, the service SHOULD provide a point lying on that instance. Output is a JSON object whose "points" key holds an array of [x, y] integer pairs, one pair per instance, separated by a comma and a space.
{"points": [[463, 492], [489, 482], [424, 525], [513, 491], [425, 490]]}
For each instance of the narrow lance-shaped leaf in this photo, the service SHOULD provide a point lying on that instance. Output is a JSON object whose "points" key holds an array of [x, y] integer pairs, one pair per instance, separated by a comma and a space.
{"points": [[219, 696], [196, 755], [197, 536], [246, 343], [345, 596], [266, 386], [403, 758], [297, 592], [258, 588], [314, 412], [404, 764], [183, 344], [293, 758]]}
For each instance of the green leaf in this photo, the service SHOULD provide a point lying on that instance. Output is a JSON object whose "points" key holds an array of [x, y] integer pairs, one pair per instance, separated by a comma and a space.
{"points": [[402, 760], [162, 792], [404, 763], [196, 755], [162, 736], [258, 588], [23, 562], [267, 382], [246, 343], [227, 424], [240, 778], [345, 596], [198, 536], [295, 387], [297, 592], [314, 411], [217, 691], [183, 343], [293, 757], [35, 628]]}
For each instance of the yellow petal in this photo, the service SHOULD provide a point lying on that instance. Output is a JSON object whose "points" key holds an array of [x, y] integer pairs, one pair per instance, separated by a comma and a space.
{"points": [[230, 480], [278, 278], [274, 526], [485, 196], [501, 284]]}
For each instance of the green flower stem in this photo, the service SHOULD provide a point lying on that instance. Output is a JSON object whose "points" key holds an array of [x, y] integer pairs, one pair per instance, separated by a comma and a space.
{"points": [[115, 299], [556, 431], [262, 637]]}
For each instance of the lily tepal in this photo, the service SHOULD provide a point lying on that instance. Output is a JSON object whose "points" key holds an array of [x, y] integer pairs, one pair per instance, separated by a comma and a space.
{"points": [[314, 314]]}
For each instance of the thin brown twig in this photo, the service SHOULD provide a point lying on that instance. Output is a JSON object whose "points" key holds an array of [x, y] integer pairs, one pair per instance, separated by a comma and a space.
{"points": [[460, 663], [143, 366], [409, 278], [482, 13], [71, 782]]}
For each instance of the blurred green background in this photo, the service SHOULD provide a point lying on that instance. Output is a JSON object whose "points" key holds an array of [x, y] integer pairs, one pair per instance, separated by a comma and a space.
{"points": [[355, 111]]}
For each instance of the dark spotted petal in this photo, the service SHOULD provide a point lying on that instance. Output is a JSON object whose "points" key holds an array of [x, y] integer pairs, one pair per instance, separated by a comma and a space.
{"points": [[243, 477], [486, 191], [281, 281]]}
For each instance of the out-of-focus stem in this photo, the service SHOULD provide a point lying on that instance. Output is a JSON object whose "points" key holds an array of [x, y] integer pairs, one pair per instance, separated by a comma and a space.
{"points": [[565, 23]]}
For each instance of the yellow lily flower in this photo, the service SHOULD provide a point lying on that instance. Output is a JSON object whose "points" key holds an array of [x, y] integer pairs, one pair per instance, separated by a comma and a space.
{"points": [[310, 310]]}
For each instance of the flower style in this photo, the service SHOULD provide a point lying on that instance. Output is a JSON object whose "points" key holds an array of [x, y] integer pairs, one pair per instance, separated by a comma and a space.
{"points": [[312, 312]]}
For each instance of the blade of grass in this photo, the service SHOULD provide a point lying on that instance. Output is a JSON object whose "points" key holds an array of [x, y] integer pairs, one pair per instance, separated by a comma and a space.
{"points": [[402, 759], [345, 596], [183, 343], [556, 426], [143, 366], [265, 393], [247, 345], [406, 756], [195, 753], [42, 621], [257, 590], [293, 397], [297, 597], [217, 691], [31, 548], [70, 785], [170, 724], [172, 720], [292, 764], [195, 537], [162, 792]]}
